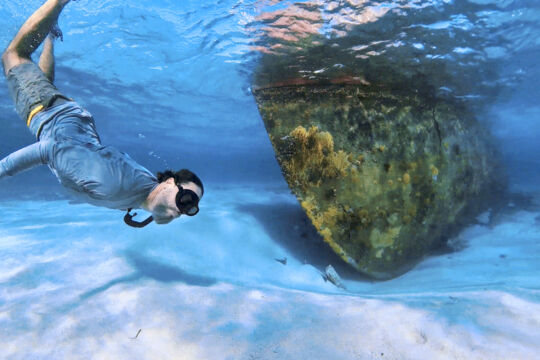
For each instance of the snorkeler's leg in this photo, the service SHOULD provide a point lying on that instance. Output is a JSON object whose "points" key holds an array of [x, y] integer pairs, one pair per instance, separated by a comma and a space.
{"points": [[32, 33], [46, 60]]}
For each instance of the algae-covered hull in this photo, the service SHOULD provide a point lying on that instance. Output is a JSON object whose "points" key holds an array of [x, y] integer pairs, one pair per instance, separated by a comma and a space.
{"points": [[383, 178]]}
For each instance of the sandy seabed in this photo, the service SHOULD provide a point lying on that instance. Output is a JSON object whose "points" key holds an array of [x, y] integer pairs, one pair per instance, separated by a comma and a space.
{"points": [[75, 283]]}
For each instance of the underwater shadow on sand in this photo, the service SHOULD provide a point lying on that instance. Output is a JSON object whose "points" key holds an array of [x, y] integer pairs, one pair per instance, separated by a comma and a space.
{"points": [[288, 226], [148, 268]]}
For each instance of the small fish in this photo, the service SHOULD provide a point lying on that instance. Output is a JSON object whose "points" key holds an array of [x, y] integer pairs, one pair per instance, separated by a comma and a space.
{"points": [[330, 274], [138, 332], [283, 261]]}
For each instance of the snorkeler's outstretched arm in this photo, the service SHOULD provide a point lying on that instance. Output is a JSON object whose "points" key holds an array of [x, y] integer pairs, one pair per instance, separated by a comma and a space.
{"points": [[32, 34], [24, 159]]}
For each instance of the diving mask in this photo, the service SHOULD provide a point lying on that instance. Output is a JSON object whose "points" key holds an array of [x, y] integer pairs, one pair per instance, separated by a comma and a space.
{"points": [[187, 201]]}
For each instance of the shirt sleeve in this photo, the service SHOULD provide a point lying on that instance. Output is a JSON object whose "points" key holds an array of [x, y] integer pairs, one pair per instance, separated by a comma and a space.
{"points": [[24, 159]]}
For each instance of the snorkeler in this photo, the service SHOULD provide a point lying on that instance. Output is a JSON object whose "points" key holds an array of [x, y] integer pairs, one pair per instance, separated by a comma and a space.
{"points": [[67, 140]]}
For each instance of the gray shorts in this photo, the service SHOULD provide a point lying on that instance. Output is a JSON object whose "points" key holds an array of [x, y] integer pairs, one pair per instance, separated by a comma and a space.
{"points": [[29, 88]]}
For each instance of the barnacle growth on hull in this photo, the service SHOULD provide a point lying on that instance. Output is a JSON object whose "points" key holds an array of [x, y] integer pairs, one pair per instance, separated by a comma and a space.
{"points": [[383, 178]]}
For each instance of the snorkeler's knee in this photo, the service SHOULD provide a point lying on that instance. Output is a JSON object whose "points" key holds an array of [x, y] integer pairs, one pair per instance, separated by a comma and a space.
{"points": [[11, 58]]}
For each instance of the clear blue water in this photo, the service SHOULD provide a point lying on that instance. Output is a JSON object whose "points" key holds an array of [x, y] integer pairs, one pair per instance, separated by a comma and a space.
{"points": [[170, 82]]}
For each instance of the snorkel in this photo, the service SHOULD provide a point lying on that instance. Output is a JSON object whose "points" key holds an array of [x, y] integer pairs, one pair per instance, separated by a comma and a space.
{"points": [[128, 219]]}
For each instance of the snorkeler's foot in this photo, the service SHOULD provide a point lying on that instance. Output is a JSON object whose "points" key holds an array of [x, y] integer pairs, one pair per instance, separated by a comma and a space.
{"points": [[56, 33]]}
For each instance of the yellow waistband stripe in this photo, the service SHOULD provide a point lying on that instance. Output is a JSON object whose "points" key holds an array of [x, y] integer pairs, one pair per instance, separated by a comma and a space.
{"points": [[33, 113]]}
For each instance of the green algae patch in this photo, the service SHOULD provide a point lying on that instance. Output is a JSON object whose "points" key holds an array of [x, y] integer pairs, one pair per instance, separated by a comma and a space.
{"points": [[384, 179]]}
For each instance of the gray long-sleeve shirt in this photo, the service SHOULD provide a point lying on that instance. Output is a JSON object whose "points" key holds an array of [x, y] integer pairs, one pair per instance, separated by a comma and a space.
{"points": [[68, 143]]}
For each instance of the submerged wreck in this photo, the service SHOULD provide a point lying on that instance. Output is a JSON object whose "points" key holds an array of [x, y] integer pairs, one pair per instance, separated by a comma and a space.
{"points": [[383, 156], [383, 178]]}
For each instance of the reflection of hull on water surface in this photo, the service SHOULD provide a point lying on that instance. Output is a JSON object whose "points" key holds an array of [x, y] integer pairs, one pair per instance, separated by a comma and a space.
{"points": [[384, 178]]}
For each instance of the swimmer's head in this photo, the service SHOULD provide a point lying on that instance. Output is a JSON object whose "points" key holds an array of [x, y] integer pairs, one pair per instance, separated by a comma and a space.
{"points": [[178, 193]]}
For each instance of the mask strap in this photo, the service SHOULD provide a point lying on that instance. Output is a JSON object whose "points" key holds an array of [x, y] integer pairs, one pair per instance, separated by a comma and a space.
{"points": [[128, 219]]}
